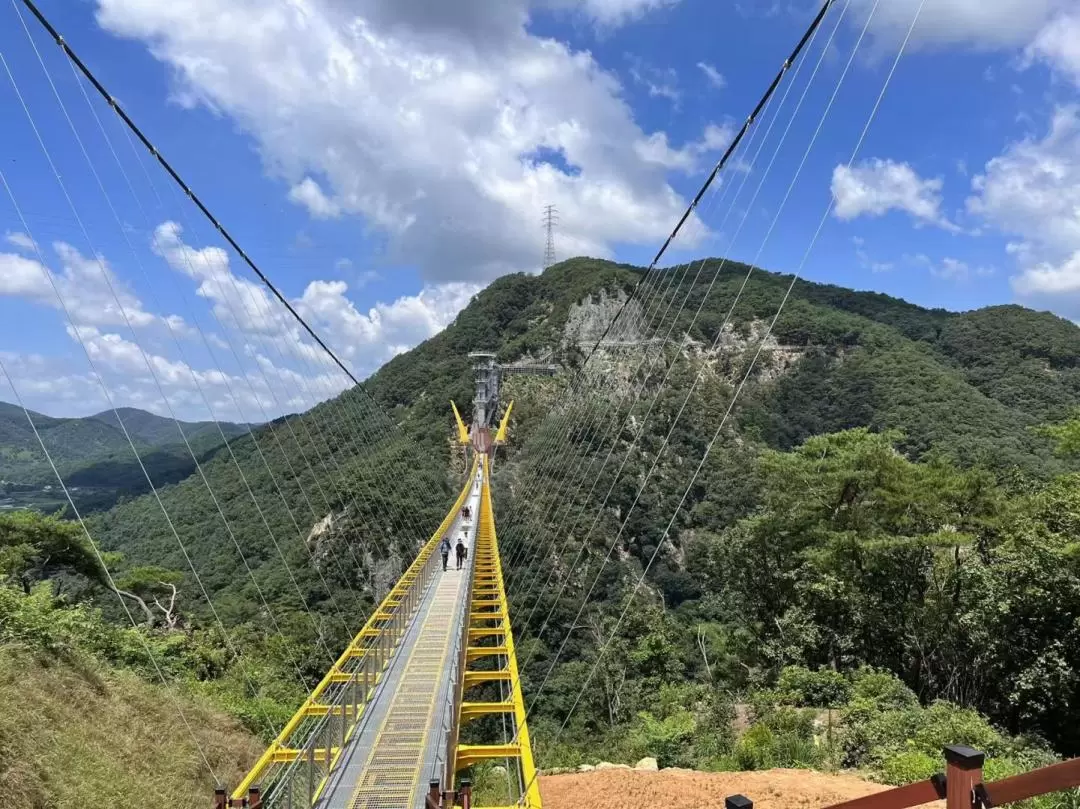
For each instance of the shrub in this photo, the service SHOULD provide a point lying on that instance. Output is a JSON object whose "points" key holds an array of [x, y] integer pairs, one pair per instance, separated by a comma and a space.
{"points": [[813, 689], [668, 739], [881, 688], [908, 766], [756, 750]]}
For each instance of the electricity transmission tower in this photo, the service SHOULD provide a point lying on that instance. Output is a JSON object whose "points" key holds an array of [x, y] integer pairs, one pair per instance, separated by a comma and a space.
{"points": [[551, 219]]}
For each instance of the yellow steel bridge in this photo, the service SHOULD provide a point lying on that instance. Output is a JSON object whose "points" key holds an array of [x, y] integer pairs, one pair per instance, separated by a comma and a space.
{"points": [[382, 730]]}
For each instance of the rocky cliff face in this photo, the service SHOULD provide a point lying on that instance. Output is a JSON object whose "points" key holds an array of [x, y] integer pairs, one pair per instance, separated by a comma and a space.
{"points": [[589, 318]]}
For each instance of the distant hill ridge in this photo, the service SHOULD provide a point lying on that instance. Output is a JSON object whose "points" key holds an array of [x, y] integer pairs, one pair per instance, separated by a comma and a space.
{"points": [[92, 451]]}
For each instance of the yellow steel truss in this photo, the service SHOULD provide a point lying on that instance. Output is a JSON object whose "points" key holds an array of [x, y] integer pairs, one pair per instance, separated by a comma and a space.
{"points": [[500, 435], [489, 621], [318, 731], [462, 431]]}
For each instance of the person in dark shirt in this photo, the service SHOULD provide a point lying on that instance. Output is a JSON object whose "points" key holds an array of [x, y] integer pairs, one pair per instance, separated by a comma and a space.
{"points": [[461, 552], [444, 548]]}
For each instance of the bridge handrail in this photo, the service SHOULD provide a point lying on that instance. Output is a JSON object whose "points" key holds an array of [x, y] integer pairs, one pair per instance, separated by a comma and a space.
{"points": [[444, 766], [280, 764]]}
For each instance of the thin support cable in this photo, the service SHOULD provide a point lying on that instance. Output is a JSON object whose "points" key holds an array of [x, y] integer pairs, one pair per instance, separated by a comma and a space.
{"points": [[644, 377], [584, 542], [108, 574], [716, 169], [108, 397], [130, 124], [105, 275], [808, 34], [301, 381], [715, 276], [698, 376], [198, 385], [746, 376]]}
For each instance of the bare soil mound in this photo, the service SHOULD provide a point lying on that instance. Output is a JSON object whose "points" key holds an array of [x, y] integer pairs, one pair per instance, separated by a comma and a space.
{"points": [[687, 789]]}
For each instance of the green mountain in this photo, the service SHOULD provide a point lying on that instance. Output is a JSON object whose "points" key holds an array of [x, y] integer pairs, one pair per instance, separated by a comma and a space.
{"points": [[156, 431], [879, 496], [95, 457]]}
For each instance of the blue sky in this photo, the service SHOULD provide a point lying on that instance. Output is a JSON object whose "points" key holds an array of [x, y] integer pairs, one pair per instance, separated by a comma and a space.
{"points": [[382, 160]]}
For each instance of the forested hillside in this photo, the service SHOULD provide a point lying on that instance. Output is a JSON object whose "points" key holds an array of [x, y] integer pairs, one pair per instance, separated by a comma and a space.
{"points": [[95, 457], [883, 522]]}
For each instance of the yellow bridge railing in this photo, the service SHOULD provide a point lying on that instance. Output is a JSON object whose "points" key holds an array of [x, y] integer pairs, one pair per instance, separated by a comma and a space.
{"points": [[489, 636], [294, 769]]}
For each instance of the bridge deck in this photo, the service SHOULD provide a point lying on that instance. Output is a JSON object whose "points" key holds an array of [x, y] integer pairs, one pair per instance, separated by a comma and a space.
{"points": [[399, 745]]}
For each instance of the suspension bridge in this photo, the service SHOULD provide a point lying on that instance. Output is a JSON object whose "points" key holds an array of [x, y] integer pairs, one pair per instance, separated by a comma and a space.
{"points": [[387, 725], [382, 729]]}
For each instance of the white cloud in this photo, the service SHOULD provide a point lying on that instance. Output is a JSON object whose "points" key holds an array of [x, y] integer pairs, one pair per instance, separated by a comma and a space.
{"points": [[952, 269], [83, 284], [1058, 45], [410, 111], [715, 77], [864, 259], [21, 241], [407, 321], [1032, 192], [660, 82], [359, 338], [610, 13], [273, 366], [875, 187], [126, 368], [655, 148], [1044, 279], [975, 23], [311, 196]]}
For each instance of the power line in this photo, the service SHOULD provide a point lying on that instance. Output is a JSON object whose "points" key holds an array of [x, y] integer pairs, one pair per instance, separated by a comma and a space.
{"points": [[814, 24], [551, 219]]}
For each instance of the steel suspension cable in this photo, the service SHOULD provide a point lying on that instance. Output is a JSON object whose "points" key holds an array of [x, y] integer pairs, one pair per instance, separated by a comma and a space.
{"points": [[757, 354], [108, 397], [123, 115], [698, 376], [810, 31], [101, 185], [133, 128], [640, 428], [815, 23], [691, 289], [172, 332]]}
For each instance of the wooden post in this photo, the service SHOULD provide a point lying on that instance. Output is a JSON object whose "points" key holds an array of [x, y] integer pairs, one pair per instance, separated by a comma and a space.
{"points": [[963, 770], [254, 798], [465, 793], [220, 801], [738, 802], [434, 796]]}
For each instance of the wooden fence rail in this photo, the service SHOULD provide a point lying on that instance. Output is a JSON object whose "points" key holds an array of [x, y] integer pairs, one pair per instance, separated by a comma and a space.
{"points": [[961, 785]]}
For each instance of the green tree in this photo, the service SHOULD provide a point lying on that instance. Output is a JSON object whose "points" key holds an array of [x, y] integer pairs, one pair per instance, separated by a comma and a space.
{"points": [[34, 548]]}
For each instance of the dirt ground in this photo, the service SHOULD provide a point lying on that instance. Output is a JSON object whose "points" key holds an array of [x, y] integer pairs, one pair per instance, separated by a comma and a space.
{"points": [[686, 789]]}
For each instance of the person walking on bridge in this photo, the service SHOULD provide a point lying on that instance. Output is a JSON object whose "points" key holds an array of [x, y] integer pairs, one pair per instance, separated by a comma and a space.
{"points": [[461, 551], [444, 549]]}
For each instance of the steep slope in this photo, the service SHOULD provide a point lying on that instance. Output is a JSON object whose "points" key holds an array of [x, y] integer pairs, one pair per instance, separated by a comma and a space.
{"points": [[840, 359], [127, 739], [953, 386]]}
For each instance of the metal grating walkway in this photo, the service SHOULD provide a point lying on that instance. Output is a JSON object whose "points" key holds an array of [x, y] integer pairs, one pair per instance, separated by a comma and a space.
{"points": [[387, 763], [393, 771]]}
